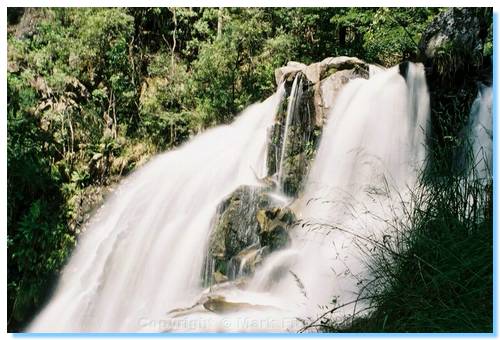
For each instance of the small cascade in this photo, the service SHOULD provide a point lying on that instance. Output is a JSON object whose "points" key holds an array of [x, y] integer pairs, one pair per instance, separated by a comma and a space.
{"points": [[293, 99], [371, 152], [280, 97], [479, 154]]}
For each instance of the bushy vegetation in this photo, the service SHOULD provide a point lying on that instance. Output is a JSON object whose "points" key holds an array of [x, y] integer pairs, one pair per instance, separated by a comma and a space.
{"points": [[93, 92]]}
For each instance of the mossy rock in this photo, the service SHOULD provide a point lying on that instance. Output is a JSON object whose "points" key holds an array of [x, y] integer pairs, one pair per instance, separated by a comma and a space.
{"points": [[236, 226], [294, 172], [274, 225]]}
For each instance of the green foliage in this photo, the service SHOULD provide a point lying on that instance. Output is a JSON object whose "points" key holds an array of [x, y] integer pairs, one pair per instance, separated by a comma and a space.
{"points": [[225, 74], [394, 34], [164, 102], [382, 35], [488, 44]]}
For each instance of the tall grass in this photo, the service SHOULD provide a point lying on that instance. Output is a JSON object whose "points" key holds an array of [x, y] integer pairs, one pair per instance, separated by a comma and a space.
{"points": [[436, 272]]}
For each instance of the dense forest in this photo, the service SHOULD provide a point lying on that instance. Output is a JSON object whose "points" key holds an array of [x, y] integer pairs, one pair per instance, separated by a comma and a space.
{"points": [[94, 93]]}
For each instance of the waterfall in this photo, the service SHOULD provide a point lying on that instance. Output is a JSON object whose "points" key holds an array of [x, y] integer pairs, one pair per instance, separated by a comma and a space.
{"points": [[143, 251], [291, 109], [138, 267], [371, 152]]}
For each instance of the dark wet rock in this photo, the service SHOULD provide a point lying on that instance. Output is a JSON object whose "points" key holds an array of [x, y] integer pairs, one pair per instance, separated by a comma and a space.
{"points": [[274, 225], [236, 226], [295, 169], [303, 134], [235, 229], [249, 225]]}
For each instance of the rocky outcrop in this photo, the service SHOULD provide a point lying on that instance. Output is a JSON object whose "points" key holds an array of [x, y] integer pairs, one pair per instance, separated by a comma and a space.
{"points": [[319, 85], [318, 71], [241, 237], [235, 226], [249, 223], [454, 40], [274, 225]]}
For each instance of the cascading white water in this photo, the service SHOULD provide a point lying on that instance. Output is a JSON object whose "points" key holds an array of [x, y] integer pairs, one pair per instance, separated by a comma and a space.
{"points": [[143, 252], [370, 154], [295, 93], [371, 151], [480, 135]]}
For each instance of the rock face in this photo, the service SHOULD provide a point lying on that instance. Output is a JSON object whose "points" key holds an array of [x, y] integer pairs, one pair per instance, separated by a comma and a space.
{"points": [[249, 223], [454, 40], [302, 137], [274, 225]]}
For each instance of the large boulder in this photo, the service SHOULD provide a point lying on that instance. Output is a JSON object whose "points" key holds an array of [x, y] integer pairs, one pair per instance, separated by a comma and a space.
{"points": [[236, 226], [249, 225]]}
